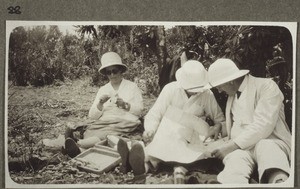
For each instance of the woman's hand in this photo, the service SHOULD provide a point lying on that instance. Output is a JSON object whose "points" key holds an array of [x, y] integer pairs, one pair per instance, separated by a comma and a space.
{"points": [[213, 132], [224, 150], [148, 136], [121, 104], [102, 100]]}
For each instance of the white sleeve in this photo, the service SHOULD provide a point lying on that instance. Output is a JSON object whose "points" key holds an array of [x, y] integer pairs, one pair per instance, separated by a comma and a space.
{"points": [[136, 101], [156, 113], [94, 112]]}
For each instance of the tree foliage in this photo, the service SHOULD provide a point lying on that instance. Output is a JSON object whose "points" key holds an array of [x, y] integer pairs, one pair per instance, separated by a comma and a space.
{"points": [[40, 55]]}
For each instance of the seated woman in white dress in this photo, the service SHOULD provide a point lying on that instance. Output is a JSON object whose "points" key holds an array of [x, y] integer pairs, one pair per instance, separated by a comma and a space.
{"points": [[116, 109]]}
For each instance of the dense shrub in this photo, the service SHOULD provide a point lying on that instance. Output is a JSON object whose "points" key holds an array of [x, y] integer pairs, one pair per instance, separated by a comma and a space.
{"points": [[38, 56]]}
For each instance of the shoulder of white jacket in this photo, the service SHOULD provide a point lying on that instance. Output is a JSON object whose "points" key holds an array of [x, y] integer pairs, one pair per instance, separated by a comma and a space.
{"points": [[173, 84], [171, 87], [106, 85], [129, 83], [261, 80]]}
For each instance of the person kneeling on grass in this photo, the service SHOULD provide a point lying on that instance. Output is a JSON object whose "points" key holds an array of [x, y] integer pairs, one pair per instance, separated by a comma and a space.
{"points": [[259, 137], [116, 109], [187, 95]]}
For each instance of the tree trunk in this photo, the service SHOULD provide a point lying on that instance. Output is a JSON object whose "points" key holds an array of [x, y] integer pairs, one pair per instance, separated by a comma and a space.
{"points": [[161, 49]]}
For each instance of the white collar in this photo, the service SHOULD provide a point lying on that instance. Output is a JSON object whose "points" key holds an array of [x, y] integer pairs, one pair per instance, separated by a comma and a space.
{"points": [[243, 84]]}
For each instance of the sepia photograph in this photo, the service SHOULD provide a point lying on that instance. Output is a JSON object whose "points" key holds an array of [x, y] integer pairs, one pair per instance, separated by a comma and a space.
{"points": [[101, 104]]}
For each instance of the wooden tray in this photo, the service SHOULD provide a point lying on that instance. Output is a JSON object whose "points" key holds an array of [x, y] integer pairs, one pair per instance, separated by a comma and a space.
{"points": [[97, 160]]}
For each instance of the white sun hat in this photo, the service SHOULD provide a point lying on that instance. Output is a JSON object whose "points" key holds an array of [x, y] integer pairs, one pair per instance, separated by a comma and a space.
{"points": [[224, 70], [192, 76], [111, 59]]}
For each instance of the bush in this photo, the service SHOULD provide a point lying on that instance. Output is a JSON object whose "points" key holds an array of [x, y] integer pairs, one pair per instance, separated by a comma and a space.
{"points": [[38, 56]]}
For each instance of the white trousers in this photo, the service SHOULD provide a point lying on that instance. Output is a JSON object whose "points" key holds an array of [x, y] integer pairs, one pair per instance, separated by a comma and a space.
{"points": [[267, 154]]}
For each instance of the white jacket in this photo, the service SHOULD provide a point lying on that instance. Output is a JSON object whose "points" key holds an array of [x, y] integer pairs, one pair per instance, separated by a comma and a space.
{"points": [[265, 111]]}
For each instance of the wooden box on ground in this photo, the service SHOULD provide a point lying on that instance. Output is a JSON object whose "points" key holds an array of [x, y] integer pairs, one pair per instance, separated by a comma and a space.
{"points": [[98, 159]]}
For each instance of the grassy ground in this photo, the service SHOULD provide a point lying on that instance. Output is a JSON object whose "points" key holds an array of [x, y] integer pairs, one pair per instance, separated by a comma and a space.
{"points": [[38, 113]]}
